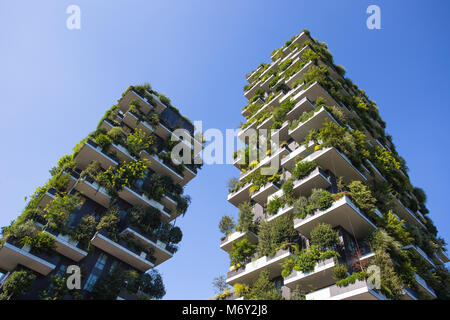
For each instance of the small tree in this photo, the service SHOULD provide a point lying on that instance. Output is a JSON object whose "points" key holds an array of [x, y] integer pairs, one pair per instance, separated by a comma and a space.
{"points": [[19, 282], [245, 221], [264, 289], [226, 225], [324, 237], [58, 211], [240, 251], [220, 284]]}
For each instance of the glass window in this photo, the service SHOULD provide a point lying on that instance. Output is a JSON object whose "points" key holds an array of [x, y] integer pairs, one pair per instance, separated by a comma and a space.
{"points": [[90, 282], [100, 264]]}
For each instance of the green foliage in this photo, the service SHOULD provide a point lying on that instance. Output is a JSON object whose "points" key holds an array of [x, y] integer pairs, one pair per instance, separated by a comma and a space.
{"points": [[303, 168], [245, 220], [340, 271], [324, 237], [146, 219], [345, 281], [275, 234], [116, 134], [58, 211], [41, 242], [125, 174], [103, 140], [306, 260], [138, 141], [274, 205], [263, 289], [109, 222], [85, 231], [362, 196], [226, 225], [321, 199], [240, 251], [19, 282], [396, 229]]}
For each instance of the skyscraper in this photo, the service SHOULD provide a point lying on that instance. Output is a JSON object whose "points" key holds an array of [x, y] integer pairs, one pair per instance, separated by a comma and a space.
{"points": [[326, 209], [109, 209]]}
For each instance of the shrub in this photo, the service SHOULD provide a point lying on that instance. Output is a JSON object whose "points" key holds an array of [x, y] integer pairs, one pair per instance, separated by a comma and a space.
{"points": [[362, 196], [58, 211], [288, 190], [303, 168], [85, 230], [138, 141], [340, 271], [274, 205], [103, 140], [116, 134], [324, 237], [300, 207], [263, 288], [321, 199]]}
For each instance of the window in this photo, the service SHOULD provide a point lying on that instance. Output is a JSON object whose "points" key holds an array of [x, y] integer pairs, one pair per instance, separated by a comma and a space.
{"points": [[90, 282], [100, 264], [113, 265]]}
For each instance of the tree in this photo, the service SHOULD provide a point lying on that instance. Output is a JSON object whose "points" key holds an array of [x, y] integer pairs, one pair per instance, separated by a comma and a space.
{"points": [[220, 284], [362, 196], [226, 225], [19, 282], [324, 237], [240, 251], [245, 220], [263, 288]]}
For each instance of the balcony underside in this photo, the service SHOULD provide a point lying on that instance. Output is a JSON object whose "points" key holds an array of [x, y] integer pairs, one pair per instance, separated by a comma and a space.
{"points": [[11, 256], [314, 123], [240, 196], [89, 153], [123, 254], [253, 269], [342, 213], [321, 276], [354, 291], [227, 243], [161, 254], [124, 102]]}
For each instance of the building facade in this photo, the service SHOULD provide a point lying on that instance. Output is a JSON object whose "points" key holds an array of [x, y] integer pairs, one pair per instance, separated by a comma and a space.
{"points": [[109, 208], [326, 208]]}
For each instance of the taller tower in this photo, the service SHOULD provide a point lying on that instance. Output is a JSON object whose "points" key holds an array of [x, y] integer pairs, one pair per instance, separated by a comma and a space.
{"points": [[330, 207], [109, 208]]}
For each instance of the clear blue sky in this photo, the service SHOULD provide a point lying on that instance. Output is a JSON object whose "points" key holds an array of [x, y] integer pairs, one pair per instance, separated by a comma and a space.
{"points": [[55, 85]]}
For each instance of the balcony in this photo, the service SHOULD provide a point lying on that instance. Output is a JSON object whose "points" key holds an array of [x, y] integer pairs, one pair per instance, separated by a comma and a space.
{"points": [[342, 213], [423, 288], [162, 251], [359, 290], [227, 243], [12, 254], [321, 276], [246, 112], [131, 120], [90, 152], [165, 133], [156, 164], [316, 122], [267, 162], [406, 214], [302, 37], [48, 197], [421, 254], [89, 188], [136, 197], [299, 74], [68, 247], [409, 294], [377, 176], [443, 256], [250, 272], [145, 107], [139, 261], [251, 92], [301, 151], [331, 159], [314, 91], [303, 187], [262, 194], [241, 195]]}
